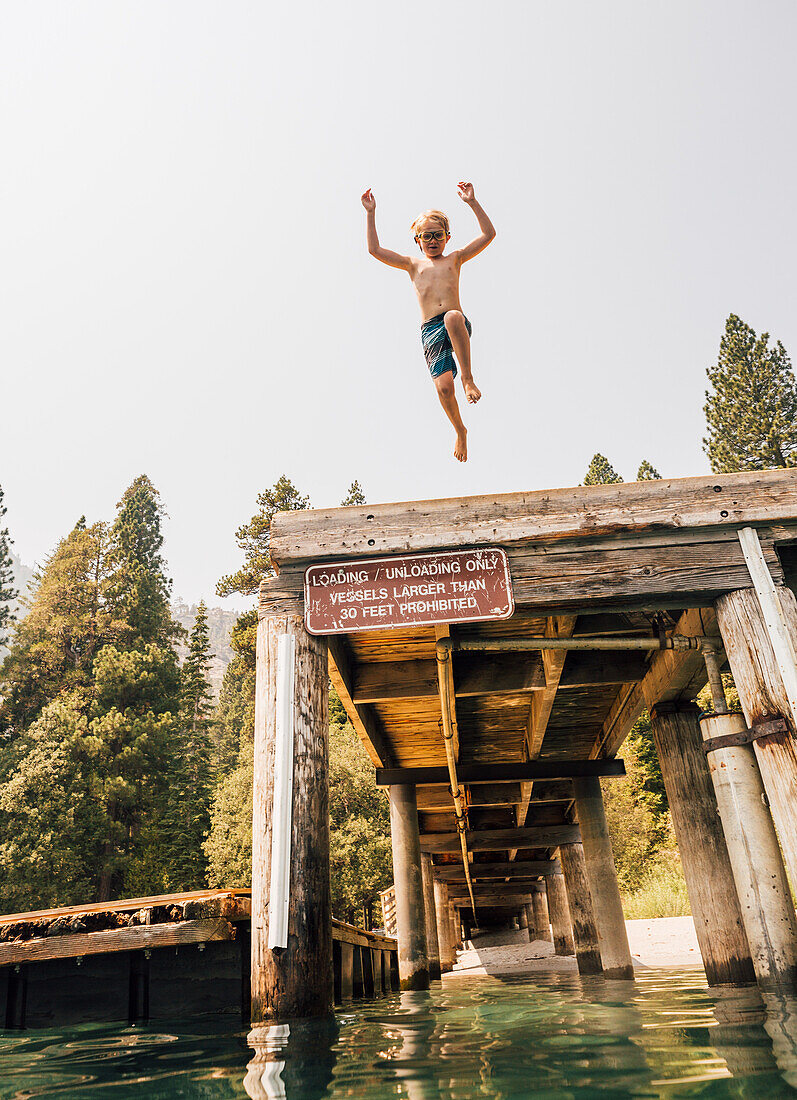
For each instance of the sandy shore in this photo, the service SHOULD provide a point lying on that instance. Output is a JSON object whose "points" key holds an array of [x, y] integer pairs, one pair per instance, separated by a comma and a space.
{"points": [[664, 942]]}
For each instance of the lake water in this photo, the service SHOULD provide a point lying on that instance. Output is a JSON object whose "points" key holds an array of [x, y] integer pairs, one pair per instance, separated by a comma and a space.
{"points": [[556, 1036]]}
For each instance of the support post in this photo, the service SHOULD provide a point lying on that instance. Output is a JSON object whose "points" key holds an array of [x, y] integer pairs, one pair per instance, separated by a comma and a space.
{"points": [[559, 911], [529, 914], [585, 934], [295, 980], [701, 843], [443, 926], [410, 914], [758, 679], [523, 917], [432, 943], [542, 929], [602, 877], [761, 884]]}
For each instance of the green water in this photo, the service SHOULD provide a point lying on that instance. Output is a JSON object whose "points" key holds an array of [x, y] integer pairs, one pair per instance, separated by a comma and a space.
{"points": [[558, 1036]]}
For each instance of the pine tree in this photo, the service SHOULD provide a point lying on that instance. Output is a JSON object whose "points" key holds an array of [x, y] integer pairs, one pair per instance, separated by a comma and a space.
{"points": [[601, 472], [140, 588], [7, 590], [646, 472], [751, 412], [355, 495], [253, 537]]}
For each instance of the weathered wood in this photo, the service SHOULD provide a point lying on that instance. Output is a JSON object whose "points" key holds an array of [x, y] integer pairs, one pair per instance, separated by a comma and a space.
{"points": [[539, 908], [500, 869], [233, 905], [136, 938], [410, 915], [763, 696], [432, 942], [363, 717], [496, 840], [523, 917], [604, 889], [701, 843], [761, 885], [559, 912], [579, 901], [350, 933], [719, 500], [443, 918], [503, 773], [509, 898], [296, 981], [458, 891]]}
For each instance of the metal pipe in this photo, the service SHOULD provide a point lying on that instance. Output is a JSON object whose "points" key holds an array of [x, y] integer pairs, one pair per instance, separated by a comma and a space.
{"points": [[443, 657], [497, 645]]}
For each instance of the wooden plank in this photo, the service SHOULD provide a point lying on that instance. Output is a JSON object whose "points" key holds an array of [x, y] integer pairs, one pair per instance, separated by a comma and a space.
{"points": [[136, 938], [718, 500], [503, 773], [438, 800], [240, 898], [498, 900], [497, 840], [490, 674], [363, 717], [350, 933]]}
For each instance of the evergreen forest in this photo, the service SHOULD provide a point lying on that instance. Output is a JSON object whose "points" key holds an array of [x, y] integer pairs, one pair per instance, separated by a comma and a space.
{"points": [[127, 720]]}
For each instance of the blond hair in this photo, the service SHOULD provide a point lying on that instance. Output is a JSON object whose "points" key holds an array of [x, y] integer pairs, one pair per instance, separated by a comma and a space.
{"points": [[436, 217]]}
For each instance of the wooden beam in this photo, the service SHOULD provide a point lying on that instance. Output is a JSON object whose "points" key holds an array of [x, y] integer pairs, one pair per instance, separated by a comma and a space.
{"points": [[498, 840], [438, 800], [447, 671], [503, 773], [497, 900], [592, 512], [135, 938], [459, 892], [363, 716], [505, 869], [674, 675]]}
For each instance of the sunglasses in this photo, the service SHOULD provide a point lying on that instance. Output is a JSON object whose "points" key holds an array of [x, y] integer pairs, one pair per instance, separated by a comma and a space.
{"points": [[432, 235]]}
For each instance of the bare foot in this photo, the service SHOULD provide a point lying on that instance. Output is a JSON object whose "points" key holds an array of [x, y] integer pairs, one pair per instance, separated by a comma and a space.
{"points": [[472, 391], [461, 446]]}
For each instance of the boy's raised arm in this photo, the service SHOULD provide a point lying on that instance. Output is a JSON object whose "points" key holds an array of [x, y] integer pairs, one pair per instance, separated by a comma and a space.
{"points": [[392, 259], [487, 229]]}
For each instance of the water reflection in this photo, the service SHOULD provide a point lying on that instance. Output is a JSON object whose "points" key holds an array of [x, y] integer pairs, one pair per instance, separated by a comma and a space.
{"points": [[292, 1060]]}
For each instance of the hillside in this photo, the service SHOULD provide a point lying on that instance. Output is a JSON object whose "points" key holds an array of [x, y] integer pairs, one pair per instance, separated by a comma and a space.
{"points": [[220, 623]]}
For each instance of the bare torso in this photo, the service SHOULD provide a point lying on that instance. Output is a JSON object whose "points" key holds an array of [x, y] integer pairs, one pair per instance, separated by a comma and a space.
{"points": [[436, 283]]}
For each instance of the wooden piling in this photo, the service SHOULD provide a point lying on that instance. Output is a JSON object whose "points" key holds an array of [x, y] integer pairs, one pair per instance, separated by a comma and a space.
{"points": [[528, 910], [579, 901], [539, 904], [432, 942], [443, 926], [701, 843], [763, 697], [408, 880], [559, 911], [602, 877], [295, 980], [523, 917], [761, 885]]}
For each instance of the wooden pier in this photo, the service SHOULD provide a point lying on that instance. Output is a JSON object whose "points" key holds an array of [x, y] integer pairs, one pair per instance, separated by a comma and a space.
{"points": [[141, 959], [492, 713]]}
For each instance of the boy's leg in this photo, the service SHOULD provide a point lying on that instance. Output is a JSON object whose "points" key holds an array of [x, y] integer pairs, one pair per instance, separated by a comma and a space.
{"points": [[460, 341], [444, 384]]}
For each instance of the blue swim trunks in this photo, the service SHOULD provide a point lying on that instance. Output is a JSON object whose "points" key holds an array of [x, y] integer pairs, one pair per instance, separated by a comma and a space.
{"points": [[437, 345]]}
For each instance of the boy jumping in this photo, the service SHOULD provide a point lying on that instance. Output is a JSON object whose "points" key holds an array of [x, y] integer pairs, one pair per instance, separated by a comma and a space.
{"points": [[445, 331]]}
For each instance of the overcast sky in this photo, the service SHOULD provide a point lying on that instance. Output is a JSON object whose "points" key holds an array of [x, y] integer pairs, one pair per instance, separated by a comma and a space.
{"points": [[186, 290]]}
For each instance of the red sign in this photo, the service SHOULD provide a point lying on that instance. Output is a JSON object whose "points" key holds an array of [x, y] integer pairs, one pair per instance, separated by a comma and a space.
{"points": [[451, 586]]}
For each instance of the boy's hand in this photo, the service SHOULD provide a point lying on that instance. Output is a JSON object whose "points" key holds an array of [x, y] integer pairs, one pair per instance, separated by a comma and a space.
{"points": [[466, 192], [368, 201]]}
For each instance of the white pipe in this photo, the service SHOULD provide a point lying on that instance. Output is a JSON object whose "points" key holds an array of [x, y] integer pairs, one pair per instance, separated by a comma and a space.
{"points": [[772, 612], [282, 806]]}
